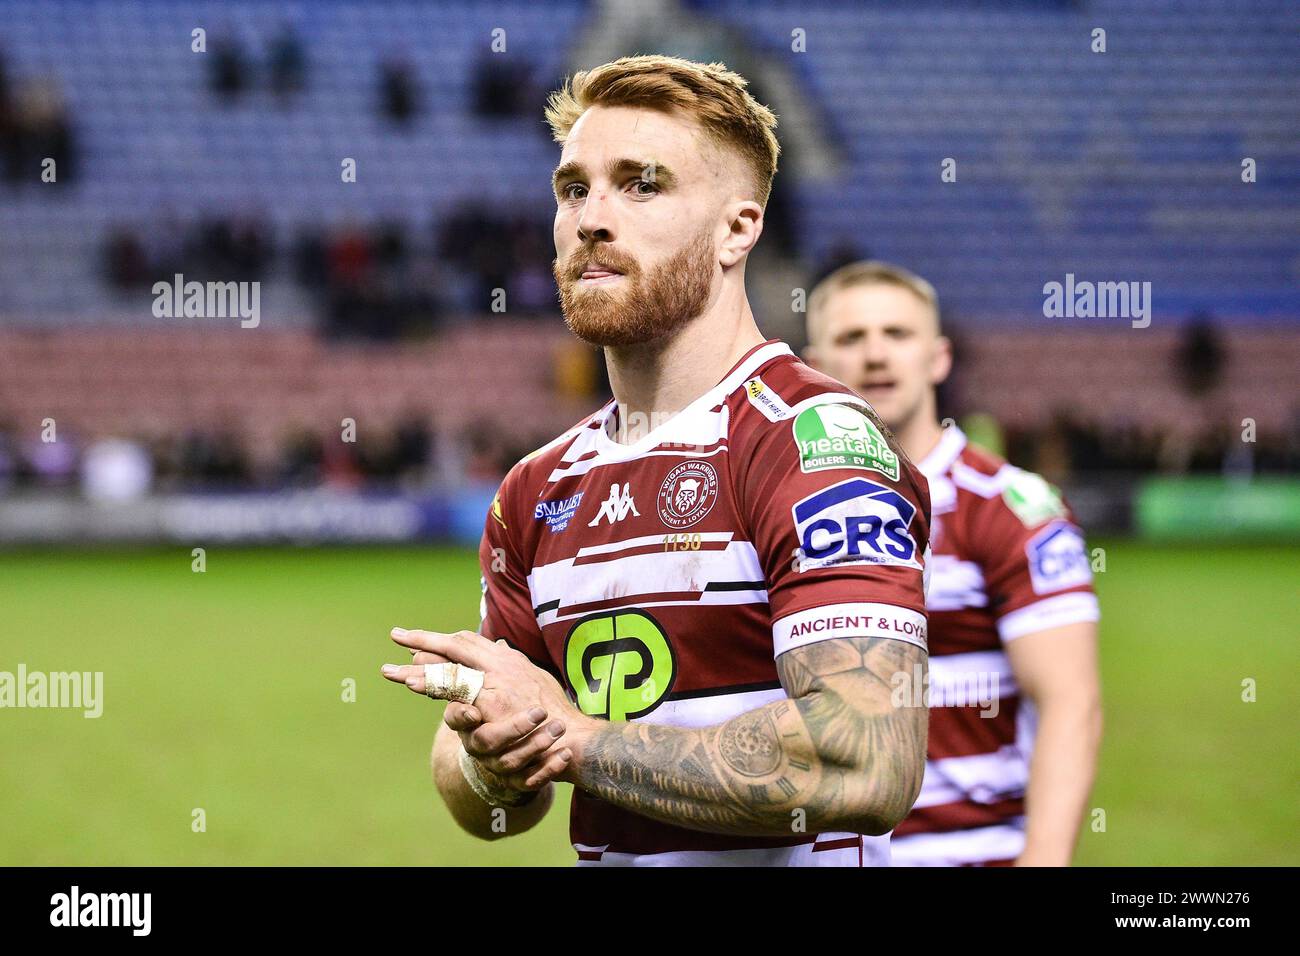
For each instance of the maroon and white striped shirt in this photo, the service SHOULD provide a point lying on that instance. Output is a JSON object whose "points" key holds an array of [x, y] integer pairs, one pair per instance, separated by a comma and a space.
{"points": [[1007, 561], [660, 580]]}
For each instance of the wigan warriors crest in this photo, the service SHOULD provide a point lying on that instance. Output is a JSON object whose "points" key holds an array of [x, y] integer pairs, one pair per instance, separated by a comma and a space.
{"points": [[688, 493]]}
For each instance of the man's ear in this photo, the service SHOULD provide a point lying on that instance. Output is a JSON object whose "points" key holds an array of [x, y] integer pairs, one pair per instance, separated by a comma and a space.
{"points": [[941, 363], [745, 218]]}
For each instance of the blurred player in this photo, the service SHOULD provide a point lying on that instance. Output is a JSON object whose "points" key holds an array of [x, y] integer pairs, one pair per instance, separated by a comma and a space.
{"points": [[1012, 614], [722, 567]]}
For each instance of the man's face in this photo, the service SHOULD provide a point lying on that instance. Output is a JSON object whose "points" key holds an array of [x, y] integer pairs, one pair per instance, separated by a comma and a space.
{"points": [[883, 342], [636, 224]]}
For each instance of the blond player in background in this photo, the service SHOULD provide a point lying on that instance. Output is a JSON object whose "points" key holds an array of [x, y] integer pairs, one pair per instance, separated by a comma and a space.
{"points": [[1015, 712]]}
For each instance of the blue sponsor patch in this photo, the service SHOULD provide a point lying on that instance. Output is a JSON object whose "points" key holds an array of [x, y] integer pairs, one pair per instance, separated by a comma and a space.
{"points": [[855, 522], [1058, 558], [557, 513]]}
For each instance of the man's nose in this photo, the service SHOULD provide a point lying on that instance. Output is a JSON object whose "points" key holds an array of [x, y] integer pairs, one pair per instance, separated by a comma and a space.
{"points": [[874, 352], [596, 224]]}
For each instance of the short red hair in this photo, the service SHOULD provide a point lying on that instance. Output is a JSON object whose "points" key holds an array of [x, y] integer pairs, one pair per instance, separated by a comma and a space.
{"points": [[710, 94]]}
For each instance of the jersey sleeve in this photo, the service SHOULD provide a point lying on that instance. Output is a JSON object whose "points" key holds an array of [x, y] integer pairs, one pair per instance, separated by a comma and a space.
{"points": [[506, 609], [1037, 571], [840, 521]]}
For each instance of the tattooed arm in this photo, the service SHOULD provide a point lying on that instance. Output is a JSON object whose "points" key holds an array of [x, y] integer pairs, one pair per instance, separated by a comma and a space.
{"points": [[840, 749]]}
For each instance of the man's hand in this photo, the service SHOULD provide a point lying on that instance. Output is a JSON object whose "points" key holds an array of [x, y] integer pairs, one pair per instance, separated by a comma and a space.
{"points": [[506, 729]]}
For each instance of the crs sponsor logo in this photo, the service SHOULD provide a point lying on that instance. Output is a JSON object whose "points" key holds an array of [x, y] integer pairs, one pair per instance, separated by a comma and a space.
{"points": [[1058, 558], [558, 513], [855, 522]]}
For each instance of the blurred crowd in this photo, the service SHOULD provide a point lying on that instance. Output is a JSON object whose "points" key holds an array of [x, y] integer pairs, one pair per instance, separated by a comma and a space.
{"points": [[1071, 445], [1072, 442], [34, 127], [501, 86], [413, 457], [384, 280], [410, 457], [370, 281], [376, 280]]}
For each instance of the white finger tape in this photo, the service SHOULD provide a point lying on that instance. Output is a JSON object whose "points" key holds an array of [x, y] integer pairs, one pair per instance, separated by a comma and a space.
{"points": [[448, 681]]}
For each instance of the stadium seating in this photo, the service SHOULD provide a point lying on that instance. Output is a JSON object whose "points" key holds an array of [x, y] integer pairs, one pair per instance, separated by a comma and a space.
{"points": [[1122, 165], [99, 382], [500, 375]]}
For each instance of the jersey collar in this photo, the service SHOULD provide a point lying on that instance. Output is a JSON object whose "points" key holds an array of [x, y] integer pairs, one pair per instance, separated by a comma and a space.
{"points": [[741, 372], [943, 455]]}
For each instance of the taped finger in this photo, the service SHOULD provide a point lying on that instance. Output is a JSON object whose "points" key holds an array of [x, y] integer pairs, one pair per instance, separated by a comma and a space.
{"points": [[450, 681]]}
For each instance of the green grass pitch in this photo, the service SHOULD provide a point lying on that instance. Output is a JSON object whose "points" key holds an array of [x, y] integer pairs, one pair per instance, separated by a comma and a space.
{"points": [[223, 691]]}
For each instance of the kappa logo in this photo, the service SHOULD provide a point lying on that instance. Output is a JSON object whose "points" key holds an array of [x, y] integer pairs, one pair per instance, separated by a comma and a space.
{"points": [[855, 522], [1058, 558], [688, 494], [616, 507]]}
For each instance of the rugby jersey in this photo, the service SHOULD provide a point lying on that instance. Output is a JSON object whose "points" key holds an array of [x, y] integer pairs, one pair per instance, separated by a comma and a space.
{"points": [[659, 580], [1008, 560]]}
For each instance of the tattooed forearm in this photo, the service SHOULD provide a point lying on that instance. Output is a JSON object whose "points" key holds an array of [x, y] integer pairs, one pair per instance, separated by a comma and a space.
{"points": [[847, 750], [856, 699]]}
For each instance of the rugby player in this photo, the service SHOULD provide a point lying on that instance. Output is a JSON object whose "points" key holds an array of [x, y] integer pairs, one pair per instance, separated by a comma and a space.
{"points": [[1015, 713], [700, 602]]}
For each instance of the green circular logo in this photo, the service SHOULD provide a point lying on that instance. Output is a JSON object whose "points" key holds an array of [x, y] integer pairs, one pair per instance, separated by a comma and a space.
{"points": [[619, 664]]}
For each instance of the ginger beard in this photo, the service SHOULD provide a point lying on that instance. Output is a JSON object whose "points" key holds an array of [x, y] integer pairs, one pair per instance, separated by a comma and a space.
{"points": [[643, 307]]}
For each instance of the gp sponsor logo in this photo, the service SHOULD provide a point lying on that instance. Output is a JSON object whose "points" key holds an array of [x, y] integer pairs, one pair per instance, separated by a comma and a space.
{"points": [[1058, 558], [855, 522], [620, 664], [687, 494], [842, 436], [558, 512]]}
